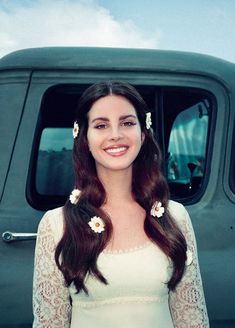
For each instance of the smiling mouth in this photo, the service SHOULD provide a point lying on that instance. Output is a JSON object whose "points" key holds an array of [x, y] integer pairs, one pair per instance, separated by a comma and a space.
{"points": [[116, 150]]}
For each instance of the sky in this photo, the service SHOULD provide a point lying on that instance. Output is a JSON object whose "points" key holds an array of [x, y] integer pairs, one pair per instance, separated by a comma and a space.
{"points": [[202, 26]]}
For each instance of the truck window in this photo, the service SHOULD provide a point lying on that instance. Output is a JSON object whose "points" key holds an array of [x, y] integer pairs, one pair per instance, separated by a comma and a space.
{"points": [[187, 116], [182, 117], [187, 150], [54, 173]]}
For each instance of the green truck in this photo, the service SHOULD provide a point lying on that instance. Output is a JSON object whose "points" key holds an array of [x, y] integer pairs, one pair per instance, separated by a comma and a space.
{"points": [[192, 100]]}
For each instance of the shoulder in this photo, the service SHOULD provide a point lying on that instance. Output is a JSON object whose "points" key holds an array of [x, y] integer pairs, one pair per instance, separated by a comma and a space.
{"points": [[179, 213], [177, 210], [52, 222]]}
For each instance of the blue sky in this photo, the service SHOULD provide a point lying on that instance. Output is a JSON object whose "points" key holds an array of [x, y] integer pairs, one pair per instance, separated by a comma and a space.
{"points": [[205, 26]]}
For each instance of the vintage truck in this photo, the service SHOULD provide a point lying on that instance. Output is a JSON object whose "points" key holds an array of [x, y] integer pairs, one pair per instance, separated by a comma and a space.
{"points": [[192, 98]]}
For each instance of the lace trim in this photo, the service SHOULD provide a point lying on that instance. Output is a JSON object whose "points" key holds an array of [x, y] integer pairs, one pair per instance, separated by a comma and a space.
{"points": [[128, 250], [51, 299], [187, 302], [120, 300]]}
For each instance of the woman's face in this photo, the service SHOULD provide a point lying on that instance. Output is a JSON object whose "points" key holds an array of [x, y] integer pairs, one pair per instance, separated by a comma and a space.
{"points": [[114, 133]]}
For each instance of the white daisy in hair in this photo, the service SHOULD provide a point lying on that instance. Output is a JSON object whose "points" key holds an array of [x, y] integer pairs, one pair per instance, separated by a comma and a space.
{"points": [[97, 224], [74, 197], [75, 130], [148, 120], [157, 210]]}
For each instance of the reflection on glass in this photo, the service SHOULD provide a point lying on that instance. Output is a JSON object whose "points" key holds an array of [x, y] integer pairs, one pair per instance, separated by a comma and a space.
{"points": [[54, 173], [187, 146]]}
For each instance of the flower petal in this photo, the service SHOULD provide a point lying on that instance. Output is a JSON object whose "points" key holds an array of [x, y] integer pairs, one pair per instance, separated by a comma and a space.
{"points": [[74, 196], [157, 210], [148, 121], [96, 224], [75, 130]]}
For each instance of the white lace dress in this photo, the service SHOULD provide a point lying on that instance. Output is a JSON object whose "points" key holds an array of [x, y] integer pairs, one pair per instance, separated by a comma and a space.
{"points": [[136, 296]]}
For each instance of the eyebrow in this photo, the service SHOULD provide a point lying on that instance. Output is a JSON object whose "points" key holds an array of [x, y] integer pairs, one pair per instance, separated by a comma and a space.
{"points": [[123, 117]]}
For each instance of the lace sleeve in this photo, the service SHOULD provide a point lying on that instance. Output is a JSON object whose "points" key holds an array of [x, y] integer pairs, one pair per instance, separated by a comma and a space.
{"points": [[187, 302], [51, 302]]}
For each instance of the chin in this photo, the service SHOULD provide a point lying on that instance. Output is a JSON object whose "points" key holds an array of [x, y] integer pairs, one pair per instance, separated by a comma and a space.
{"points": [[117, 167]]}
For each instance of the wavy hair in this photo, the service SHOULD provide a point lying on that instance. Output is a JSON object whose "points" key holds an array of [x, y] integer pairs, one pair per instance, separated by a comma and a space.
{"points": [[77, 252]]}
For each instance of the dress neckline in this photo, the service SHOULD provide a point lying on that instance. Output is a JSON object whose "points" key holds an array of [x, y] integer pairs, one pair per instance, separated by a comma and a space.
{"points": [[127, 250]]}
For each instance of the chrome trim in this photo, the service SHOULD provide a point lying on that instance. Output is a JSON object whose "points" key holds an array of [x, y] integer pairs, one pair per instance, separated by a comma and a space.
{"points": [[9, 236]]}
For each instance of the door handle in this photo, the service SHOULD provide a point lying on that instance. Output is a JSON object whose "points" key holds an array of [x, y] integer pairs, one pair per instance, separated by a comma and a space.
{"points": [[9, 236]]}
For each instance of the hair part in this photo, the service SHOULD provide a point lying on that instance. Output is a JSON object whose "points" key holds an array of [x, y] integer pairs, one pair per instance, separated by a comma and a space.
{"points": [[77, 252]]}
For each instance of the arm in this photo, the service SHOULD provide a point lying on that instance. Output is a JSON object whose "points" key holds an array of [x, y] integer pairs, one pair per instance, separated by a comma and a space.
{"points": [[187, 303], [51, 303]]}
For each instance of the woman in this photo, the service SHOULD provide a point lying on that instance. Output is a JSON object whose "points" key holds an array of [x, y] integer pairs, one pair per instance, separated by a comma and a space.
{"points": [[119, 253]]}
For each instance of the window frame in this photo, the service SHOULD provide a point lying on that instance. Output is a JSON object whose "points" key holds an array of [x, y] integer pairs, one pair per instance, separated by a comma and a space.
{"points": [[232, 164], [209, 144], [229, 183], [36, 200]]}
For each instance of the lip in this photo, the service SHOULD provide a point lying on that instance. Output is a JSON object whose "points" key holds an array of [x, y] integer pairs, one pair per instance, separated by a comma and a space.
{"points": [[117, 150]]}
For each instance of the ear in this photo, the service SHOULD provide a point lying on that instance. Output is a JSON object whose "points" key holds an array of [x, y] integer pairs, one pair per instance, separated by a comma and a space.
{"points": [[142, 138]]}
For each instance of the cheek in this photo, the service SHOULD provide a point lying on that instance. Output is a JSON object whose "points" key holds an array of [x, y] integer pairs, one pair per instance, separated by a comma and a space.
{"points": [[90, 140], [137, 141], [138, 136], [93, 140]]}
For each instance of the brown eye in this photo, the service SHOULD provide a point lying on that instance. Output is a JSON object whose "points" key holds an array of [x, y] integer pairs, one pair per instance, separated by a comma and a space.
{"points": [[128, 123], [101, 126]]}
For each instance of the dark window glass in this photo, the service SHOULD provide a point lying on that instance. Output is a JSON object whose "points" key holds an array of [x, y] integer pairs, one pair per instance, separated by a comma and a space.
{"points": [[51, 176]]}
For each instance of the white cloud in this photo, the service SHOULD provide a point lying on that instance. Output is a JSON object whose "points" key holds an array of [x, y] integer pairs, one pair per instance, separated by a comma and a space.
{"points": [[67, 23]]}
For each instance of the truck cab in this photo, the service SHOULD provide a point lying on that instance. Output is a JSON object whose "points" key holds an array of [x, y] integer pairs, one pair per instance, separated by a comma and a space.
{"points": [[192, 100]]}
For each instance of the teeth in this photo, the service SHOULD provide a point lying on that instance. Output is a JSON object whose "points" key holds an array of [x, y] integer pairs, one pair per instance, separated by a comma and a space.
{"points": [[115, 150]]}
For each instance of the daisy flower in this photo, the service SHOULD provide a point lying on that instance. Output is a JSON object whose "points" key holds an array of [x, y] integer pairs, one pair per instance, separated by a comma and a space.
{"points": [[75, 130], [97, 224], [148, 120], [74, 196], [157, 210]]}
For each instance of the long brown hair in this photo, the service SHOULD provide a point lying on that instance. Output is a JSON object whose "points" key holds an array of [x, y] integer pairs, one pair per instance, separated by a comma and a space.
{"points": [[77, 252]]}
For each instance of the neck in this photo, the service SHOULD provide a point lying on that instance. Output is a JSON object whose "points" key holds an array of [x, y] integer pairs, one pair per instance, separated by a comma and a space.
{"points": [[118, 186]]}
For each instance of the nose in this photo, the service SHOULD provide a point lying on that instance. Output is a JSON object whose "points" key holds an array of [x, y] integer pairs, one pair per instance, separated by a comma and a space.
{"points": [[115, 134]]}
